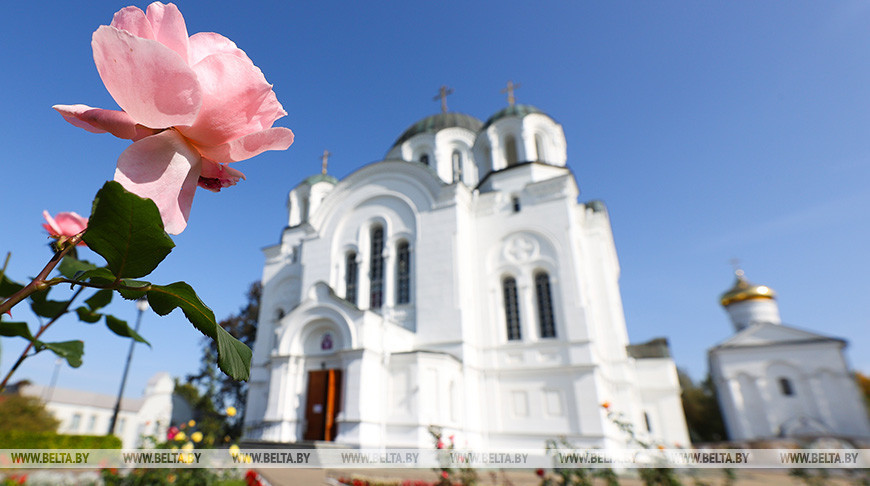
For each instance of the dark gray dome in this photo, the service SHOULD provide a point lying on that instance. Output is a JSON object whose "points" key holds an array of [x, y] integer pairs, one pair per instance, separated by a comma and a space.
{"points": [[319, 178], [513, 110], [436, 123]]}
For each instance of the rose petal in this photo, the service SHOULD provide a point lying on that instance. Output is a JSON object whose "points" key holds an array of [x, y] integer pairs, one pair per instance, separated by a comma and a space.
{"points": [[214, 170], [71, 113], [204, 44], [169, 27], [147, 79], [133, 20], [236, 101], [166, 169], [97, 120], [215, 176], [50, 225], [242, 148], [71, 223]]}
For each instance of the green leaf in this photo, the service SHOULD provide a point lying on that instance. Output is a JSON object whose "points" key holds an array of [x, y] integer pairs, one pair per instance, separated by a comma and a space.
{"points": [[46, 308], [98, 276], [234, 357], [70, 266], [88, 316], [133, 293], [100, 299], [127, 231], [12, 329], [8, 287], [121, 328], [71, 351]]}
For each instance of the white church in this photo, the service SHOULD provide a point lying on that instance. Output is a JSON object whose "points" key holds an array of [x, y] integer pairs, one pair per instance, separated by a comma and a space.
{"points": [[457, 283], [777, 381]]}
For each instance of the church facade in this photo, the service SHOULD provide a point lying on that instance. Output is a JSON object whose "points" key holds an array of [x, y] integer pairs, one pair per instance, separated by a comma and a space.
{"points": [[459, 284], [777, 381]]}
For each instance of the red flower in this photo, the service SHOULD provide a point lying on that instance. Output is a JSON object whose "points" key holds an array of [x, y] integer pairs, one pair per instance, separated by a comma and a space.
{"points": [[540, 473], [252, 478], [444, 474]]}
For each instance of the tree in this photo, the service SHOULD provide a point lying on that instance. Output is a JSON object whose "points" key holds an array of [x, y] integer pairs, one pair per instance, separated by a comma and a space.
{"points": [[864, 387], [212, 392], [25, 414], [701, 406]]}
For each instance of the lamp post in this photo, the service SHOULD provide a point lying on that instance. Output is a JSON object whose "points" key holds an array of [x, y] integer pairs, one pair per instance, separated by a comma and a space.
{"points": [[142, 306]]}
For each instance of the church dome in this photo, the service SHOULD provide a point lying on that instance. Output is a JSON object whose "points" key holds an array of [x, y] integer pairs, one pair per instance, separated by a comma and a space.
{"points": [[518, 111], [319, 178], [744, 290], [436, 123]]}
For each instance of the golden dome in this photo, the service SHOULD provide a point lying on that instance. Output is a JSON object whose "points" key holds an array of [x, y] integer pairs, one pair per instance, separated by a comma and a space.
{"points": [[744, 290]]}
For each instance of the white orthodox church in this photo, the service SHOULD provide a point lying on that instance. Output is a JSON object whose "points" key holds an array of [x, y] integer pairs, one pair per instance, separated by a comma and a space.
{"points": [[776, 381], [457, 283]]}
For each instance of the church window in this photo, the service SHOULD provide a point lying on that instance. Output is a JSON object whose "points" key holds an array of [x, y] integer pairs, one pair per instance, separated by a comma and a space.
{"points": [[74, 423], [350, 278], [403, 273], [510, 150], [376, 274], [646, 422], [511, 308], [424, 159], [545, 305], [785, 387], [457, 166], [539, 147], [515, 202]]}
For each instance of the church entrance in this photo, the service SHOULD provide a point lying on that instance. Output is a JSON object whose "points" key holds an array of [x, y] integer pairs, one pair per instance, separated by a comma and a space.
{"points": [[322, 405]]}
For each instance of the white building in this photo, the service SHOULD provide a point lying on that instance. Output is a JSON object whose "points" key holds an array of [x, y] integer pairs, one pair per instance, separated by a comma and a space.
{"points": [[87, 413], [775, 380], [457, 283]]}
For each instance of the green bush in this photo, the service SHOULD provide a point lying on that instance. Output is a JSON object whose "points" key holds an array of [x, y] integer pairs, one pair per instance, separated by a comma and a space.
{"points": [[25, 414], [18, 439]]}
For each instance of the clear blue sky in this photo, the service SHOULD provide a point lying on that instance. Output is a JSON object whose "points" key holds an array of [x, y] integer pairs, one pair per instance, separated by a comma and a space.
{"points": [[712, 130]]}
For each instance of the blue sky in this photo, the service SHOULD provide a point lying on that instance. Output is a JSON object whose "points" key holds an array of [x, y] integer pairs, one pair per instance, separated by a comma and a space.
{"points": [[712, 130]]}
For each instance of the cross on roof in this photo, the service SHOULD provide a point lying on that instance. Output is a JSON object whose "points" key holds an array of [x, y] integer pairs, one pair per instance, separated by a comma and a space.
{"points": [[510, 92], [324, 159], [443, 91]]}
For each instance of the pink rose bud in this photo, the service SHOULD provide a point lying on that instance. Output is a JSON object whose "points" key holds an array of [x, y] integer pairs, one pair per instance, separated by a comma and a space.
{"points": [[64, 225]]}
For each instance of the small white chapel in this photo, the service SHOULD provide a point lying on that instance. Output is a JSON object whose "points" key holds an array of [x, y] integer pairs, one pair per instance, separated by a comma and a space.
{"points": [[457, 283], [778, 381]]}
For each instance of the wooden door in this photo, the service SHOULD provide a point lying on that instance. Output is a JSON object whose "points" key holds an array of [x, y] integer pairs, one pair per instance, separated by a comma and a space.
{"points": [[322, 404]]}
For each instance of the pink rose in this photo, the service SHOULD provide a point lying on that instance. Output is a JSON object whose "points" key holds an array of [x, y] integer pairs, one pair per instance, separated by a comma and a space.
{"points": [[191, 105], [65, 225]]}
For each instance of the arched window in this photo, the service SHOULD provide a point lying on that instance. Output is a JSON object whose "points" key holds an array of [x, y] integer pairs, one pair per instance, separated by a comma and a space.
{"points": [[510, 150], [424, 159], [539, 147], [403, 273], [511, 308], [350, 278], [376, 273], [457, 166], [545, 305], [785, 387]]}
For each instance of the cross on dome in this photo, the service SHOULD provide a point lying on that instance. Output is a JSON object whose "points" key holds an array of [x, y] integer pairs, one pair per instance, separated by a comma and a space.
{"points": [[324, 159], [512, 100], [443, 91]]}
